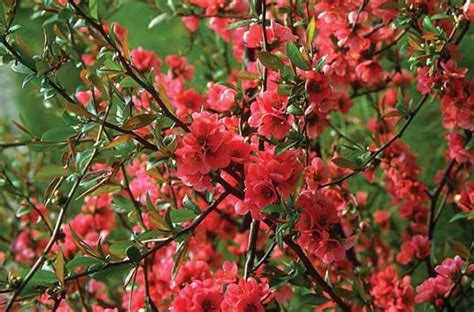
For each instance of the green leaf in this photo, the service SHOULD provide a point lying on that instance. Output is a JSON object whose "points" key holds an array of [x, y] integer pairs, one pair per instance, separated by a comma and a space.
{"points": [[51, 171], [41, 278], [428, 25], [270, 61], [158, 19], [119, 248], [58, 134], [345, 163], [23, 210], [128, 82], [320, 63], [2, 17], [284, 146], [459, 216], [82, 261], [295, 56], [114, 271], [274, 208], [311, 31], [179, 256], [439, 16], [181, 215], [241, 23], [294, 110], [59, 266], [188, 204], [94, 8]]}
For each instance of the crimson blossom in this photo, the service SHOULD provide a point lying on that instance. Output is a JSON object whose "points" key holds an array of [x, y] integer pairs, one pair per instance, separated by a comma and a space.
{"points": [[238, 155]]}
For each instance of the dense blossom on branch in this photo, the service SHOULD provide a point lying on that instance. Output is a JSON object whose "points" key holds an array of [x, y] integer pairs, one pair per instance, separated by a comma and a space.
{"points": [[255, 155]]}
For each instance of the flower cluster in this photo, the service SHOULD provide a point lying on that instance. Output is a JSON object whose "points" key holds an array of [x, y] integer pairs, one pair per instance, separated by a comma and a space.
{"points": [[286, 145]]}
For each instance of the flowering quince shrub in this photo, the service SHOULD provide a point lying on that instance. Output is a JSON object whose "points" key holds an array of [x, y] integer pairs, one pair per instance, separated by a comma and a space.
{"points": [[292, 156]]}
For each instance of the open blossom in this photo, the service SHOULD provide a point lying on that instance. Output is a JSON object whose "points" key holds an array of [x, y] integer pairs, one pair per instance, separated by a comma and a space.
{"points": [[268, 177], [391, 293], [418, 247], [437, 289], [434, 289], [370, 73], [144, 60], [277, 35], [318, 215], [466, 202], [191, 22], [269, 115], [316, 174], [178, 67], [246, 295], [187, 103], [205, 148], [220, 98], [198, 296]]}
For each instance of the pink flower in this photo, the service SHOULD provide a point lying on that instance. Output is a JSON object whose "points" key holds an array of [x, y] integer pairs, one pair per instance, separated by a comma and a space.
{"points": [[179, 67], [450, 267], [277, 35], [244, 296], [317, 87], [205, 148], [198, 296], [269, 115], [466, 202], [316, 174], [120, 32], [191, 23], [425, 81], [144, 60], [391, 293], [434, 290], [220, 98], [187, 103], [370, 72], [418, 247]]}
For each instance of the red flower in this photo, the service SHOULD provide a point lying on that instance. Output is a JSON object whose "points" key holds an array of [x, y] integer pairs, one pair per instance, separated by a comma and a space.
{"points": [[144, 60], [316, 174], [220, 98], [466, 202], [198, 296], [245, 296], [205, 148], [391, 293], [187, 103], [191, 23], [434, 290], [370, 73], [418, 247], [277, 35], [268, 176], [269, 115]]}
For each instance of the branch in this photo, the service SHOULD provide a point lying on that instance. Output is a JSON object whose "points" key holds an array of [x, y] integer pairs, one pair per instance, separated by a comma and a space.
{"points": [[159, 245], [127, 66], [251, 248], [57, 228], [314, 274], [382, 148]]}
